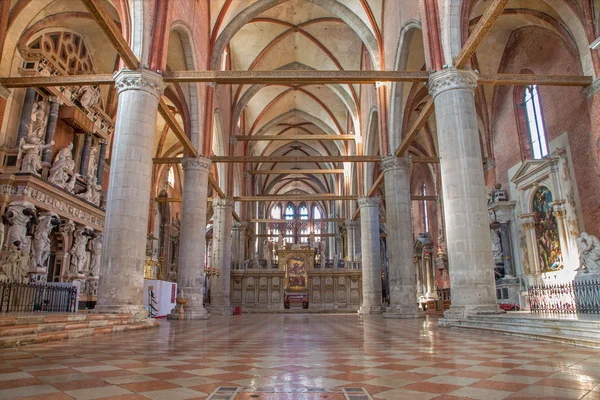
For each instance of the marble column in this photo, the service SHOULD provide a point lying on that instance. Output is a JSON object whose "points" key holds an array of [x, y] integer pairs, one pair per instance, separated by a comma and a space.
{"points": [[465, 201], [220, 303], [371, 255], [50, 129], [101, 161], [351, 239], [25, 121], [85, 155], [192, 243], [122, 267], [402, 273]]}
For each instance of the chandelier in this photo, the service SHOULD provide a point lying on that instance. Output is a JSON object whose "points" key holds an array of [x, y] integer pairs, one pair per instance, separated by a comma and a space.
{"points": [[212, 271]]}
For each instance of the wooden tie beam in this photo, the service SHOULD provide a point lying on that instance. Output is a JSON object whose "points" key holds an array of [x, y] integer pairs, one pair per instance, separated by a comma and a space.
{"points": [[280, 221], [293, 159], [169, 118], [295, 197], [295, 171], [256, 138]]}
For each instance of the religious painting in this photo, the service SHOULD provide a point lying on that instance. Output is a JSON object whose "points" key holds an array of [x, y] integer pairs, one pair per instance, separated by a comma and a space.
{"points": [[296, 273], [546, 231]]}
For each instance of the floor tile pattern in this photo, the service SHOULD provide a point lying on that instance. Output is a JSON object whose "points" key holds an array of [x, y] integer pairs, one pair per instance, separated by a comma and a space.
{"points": [[291, 356]]}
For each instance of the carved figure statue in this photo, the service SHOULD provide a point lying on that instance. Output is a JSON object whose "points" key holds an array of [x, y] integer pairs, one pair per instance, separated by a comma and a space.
{"points": [[30, 154], [41, 239], [18, 216], [63, 167], [39, 119], [92, 194], [589, 252], [496, 246], [78, 250], [96, 250], [70, 186], [11, 264], [281, 243], [88, 96], [92, 166], [268, 251]]}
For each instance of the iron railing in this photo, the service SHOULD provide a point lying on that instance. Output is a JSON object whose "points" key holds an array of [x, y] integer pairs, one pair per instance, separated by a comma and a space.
{"points": [[37, 297], [566, 298]]}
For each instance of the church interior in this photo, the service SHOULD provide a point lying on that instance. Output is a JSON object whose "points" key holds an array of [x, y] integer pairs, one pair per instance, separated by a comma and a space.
{"points": [[299, 199]]}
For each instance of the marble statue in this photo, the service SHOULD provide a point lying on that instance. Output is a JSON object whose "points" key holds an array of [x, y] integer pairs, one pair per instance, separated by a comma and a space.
{"points": [[39, 118], [96, 250], [78, 250], [496, 246], [12, 266], [17, 217], [92, 193], [63, 167], [268, 251], [281, 243], [92, 166], [70, 186], [589, 253], [41, 239], [31, 148], [88, 96]]}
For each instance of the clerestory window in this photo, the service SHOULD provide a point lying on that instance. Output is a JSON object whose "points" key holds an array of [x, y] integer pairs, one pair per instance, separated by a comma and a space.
{"points": [[535, 123]]}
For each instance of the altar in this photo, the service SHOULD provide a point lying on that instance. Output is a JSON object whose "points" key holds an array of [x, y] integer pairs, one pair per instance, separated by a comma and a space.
{"points": [[296, 279]]}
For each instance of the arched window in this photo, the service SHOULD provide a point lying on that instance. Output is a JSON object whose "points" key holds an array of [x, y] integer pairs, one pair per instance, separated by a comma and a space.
{"points": [[425, 216], [317, 225], [304, 223], [275, 214], [290, 214], [535, 123], [171, 177]]}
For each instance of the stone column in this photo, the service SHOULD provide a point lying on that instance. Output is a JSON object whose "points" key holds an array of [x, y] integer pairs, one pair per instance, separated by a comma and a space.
{"points": [[402, 273], [465, 201], [506, 251], [101, 161], [85, 155], [371, 255], [351, 238], [241, 255], [122, 267], [532, 259], [26, 115], [50, 129], [219, 286], [192, 242]]}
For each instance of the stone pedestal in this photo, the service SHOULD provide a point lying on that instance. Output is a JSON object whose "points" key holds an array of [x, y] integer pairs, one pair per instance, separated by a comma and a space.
{"points": [[122, 281], [221, 257], [371, 255], [402, 273], [465, 201], [190, 275]]}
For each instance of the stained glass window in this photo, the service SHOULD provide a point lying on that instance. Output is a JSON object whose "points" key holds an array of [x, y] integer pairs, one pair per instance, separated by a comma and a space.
{"points": [[537, 132]]}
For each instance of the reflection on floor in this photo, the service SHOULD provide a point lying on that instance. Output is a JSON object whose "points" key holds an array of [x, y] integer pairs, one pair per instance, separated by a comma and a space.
{"points": [[283, 356]]}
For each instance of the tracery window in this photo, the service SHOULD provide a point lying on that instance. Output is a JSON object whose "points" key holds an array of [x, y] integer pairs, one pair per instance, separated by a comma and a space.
{"points": [[304, 223], [535, 123], [171, 177], [290, 215], [425, 216], [275, 214]]}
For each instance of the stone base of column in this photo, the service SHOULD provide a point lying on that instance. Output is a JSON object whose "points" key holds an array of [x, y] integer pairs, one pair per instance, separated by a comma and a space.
{"points": [[403, 312], [462, 312], [137, 311], [366, 310], [191, 314], [221, 310]]}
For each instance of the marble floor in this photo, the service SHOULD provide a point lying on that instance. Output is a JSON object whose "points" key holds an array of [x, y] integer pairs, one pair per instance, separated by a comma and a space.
{"points": [[299, 356]]}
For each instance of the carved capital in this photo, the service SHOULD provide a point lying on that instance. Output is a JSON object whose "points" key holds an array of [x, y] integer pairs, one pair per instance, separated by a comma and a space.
{"points": [[528, 221], [451, 79], [199, 163], [147, 81], [222, 204], [393, 163], [365, 201]]}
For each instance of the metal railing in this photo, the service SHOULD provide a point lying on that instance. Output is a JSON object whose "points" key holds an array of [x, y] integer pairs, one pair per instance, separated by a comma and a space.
{"points": [[566, 298], [33, 297]]}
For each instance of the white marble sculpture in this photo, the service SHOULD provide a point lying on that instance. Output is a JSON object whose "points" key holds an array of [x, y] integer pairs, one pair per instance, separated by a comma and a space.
{"points": [[31, 148], [268, 251], [92, 166], [12, 267], [88, 96], [16, 218], [589, 253], [496, 246], [96, 250], [41, 239], [92, 193], [70, 186], [63, 167], [78, 251], [281, 243]]}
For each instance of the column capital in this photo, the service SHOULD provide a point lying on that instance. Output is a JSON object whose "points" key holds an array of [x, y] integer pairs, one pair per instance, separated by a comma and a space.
{"points": [[392, 163], [144, 80], [223, 203], [4, 92], [198, 163], [366, 201], [528, 221], [452, 79]]}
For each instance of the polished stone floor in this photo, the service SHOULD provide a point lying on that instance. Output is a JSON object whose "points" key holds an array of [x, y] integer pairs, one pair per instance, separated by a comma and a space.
{"points": [[301, 356]]}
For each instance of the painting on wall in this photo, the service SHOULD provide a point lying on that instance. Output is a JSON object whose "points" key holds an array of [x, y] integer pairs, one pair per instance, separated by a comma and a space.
{"points": [[296, 273], [546, 231]]}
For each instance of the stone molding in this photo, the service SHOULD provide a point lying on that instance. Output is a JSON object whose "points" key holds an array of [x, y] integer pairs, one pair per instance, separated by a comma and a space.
{"points": [[144, 80], [451, 79], [222, 204], [199, 163], [4, 92], [366, 201], [393, 163]]}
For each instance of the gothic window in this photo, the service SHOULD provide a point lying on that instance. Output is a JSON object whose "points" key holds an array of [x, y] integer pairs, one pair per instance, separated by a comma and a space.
{"points": [[535, 123], [290, 215], [304, 227], [275, 214], [425, 216], [171, 177], [317, 225]]}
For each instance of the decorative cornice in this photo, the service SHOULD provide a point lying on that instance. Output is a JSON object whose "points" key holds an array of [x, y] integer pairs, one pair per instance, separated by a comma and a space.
{"points": [[591, 90], [199, 163], [393, 163], [4, 92], [223, 203], [365, 201], [451, 79], [147, 81]]}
